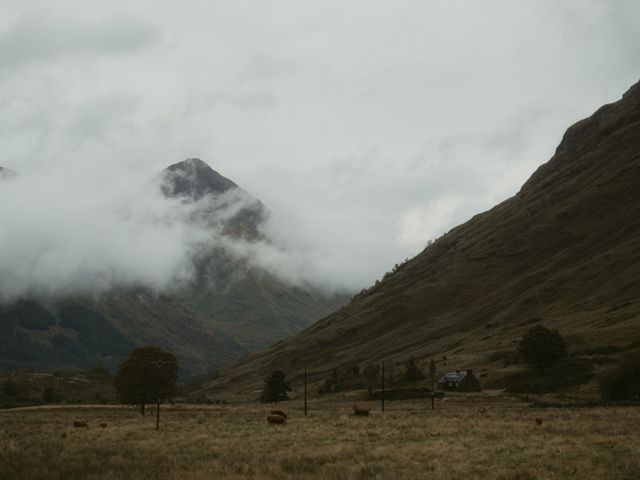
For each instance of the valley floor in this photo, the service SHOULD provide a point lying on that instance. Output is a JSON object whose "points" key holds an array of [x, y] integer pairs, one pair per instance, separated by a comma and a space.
{"points": [[408, 441]]}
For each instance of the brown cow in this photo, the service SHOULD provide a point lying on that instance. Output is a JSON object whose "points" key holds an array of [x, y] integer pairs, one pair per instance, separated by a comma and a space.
{"points": [[79, 424], [276, 420], [103, 425], [360, 412], [279, 412], [538, 421]]}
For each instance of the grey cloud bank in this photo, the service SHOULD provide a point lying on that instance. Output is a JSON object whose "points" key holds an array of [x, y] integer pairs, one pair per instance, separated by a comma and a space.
{"points": [[367, 128], [35, 36]]}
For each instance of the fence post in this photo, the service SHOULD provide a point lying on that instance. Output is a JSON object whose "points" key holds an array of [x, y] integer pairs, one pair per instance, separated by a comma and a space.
{"points": [[305, 390], [158, 415], [383, 385], [432, 373]]}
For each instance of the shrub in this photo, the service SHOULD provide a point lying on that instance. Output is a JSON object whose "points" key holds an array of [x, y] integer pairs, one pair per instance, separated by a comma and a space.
{"points": [[275, 388], [49, 395], [10, 388], [413, 372], [544, 378], [623, 381], [541, 345]]}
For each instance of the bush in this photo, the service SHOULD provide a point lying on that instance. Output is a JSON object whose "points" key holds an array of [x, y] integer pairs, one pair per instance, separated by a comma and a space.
{"points": [[545, 378], [622, 382], [541, 345], [10, 388], [49, 395], [276, 388], [412, 372]]}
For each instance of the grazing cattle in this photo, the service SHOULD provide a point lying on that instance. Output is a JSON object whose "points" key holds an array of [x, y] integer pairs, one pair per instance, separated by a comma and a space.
{"points": [[538, 421], [79, 424], [360, 412], [482, 411], [279, 412], [276, 420], [103, 425]]}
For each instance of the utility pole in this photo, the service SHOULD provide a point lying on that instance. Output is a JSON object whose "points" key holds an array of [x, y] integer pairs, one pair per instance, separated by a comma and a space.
{"points": [[159, 365], [305, 390], [383, 385], [158, 415], [432, 373]]}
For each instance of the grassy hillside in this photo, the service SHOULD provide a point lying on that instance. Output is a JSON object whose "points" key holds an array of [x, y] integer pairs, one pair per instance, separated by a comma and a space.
{"points": [[563, 252], [253, 307]]}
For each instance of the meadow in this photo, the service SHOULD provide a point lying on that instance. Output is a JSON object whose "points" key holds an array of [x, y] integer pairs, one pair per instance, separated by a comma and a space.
{"points": [[408, 441]]}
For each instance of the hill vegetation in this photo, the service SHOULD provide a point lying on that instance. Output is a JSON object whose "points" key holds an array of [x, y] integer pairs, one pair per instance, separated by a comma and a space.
{"points": [[564, 252]]}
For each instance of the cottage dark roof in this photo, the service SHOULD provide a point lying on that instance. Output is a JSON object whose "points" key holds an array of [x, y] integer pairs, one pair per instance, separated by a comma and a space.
{"points": [[453, 377]]}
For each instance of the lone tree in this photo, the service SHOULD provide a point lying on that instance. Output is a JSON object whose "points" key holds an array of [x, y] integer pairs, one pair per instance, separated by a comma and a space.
{"points": [[541, 345], [372, 375], [148, 375], [413, 372], [275, 388]]}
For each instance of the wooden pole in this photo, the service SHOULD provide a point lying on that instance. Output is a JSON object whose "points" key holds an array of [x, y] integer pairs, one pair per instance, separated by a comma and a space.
{"points": [[383, 385], [432, 373], [305, 391], [433, 397], [158, 415]]}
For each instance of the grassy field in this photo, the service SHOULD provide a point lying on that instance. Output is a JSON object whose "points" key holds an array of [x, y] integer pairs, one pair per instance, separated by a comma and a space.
{"points": [[408, 441]]}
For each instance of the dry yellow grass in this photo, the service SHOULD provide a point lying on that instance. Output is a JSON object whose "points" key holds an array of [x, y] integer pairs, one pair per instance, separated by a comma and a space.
{"points": [[408, 442]]}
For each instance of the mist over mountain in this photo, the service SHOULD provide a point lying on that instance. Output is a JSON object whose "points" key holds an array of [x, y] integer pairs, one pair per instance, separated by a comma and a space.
{"points": [[174, 262], [66, 234]]}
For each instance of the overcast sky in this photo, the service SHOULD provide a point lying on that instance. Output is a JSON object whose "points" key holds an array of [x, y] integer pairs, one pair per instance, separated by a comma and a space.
{"points": [[366, 127]]}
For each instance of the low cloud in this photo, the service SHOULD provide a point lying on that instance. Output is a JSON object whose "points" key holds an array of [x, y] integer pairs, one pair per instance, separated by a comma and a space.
{"points": [[66, 232], [63, 236], [363, 143], [36, 36]]}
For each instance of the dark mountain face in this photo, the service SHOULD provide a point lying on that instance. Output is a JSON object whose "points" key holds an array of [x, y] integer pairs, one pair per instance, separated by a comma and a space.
{"points": [[220, 201], [193, 179], [564, 252]]}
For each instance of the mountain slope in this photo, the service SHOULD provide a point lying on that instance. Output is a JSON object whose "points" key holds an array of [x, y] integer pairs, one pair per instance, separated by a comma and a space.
{"points": [[83, 332], [564, 251]]}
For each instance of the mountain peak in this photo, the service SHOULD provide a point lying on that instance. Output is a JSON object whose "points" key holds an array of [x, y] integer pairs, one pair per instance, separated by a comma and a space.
{"points": [[194, 178]]}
